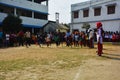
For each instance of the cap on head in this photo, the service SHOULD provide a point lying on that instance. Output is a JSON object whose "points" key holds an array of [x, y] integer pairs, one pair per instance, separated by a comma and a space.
{"points": [[98, 25]]}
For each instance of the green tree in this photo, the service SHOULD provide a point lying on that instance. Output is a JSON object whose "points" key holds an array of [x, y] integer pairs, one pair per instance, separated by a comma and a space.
{"points": [[67, 25], [86, 26], [12, 23]]}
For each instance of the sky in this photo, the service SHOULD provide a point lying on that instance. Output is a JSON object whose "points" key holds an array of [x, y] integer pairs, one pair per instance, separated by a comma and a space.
{"points": [[63, 7]]}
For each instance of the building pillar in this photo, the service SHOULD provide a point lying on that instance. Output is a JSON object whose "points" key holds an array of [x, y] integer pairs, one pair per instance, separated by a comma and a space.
{"points": [[119, 27], [32, 0], [57, 17], [72, 15], [33, 17], [32, 14], [32, 30], [15, 11], [47, 2]]}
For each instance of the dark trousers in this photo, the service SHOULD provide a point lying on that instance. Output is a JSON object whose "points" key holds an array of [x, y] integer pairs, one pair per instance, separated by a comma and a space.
{"points": [[1, 43], [21, 41], [91, 43], [100, 48], [28, 42]]}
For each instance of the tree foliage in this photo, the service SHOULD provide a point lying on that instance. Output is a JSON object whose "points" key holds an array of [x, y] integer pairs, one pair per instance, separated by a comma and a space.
{"points": [[86, 26], [67, 25], [12, 23]]}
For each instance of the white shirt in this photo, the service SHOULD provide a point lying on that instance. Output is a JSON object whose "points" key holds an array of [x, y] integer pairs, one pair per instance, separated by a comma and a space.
{"points": [[99, 36], [27, 34], [7, 37], [91, 34]]}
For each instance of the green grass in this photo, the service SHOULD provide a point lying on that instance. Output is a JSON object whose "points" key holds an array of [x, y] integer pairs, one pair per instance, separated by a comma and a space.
{"points": [[64, 59], [61, 61], [16, 64], [20, 64], [2, 77]]}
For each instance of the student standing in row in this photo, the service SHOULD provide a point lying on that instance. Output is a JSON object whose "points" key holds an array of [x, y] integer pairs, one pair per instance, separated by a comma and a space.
{"points": [[99, 38], [28, 38]]}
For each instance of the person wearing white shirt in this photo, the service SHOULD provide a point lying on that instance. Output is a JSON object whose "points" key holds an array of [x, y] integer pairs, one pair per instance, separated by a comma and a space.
{"points": [[99, 38]]}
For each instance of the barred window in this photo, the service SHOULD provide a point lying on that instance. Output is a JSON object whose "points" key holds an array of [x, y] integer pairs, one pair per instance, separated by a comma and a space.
{"points": [[76, 14], [111, 9], [97, 11], [85, 13]]}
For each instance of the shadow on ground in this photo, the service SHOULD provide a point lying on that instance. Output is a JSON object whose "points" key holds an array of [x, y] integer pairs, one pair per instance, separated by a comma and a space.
{"points": [[111, 56]]}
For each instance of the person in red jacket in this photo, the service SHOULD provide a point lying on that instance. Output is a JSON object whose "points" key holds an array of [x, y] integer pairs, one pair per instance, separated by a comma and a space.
{"points": [[99, 38], [114, 38]]}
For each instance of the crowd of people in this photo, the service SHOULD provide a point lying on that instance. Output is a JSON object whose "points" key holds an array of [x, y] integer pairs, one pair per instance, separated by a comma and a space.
{"points": [[111, 36], [75, 39]]}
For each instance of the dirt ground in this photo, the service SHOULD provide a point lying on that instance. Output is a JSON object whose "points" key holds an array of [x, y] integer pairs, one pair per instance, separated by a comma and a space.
{"points": [[93, 67]]}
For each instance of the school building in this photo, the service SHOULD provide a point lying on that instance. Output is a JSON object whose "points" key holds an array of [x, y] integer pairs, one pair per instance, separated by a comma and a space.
{"points": [[34, 13], [92, 11]]}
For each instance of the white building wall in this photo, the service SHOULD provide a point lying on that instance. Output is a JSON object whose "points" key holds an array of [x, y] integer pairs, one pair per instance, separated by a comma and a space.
{"points": [[27, 21], [34, 22], [111, 25], [77, 27], [2, 16], [107, 20]]}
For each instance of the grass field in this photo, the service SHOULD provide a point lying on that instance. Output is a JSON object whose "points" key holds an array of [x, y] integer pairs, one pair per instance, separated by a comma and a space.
{"points": [[53, 63]]}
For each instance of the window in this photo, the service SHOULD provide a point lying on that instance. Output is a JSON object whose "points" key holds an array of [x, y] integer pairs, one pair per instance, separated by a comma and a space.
{"points": [[6, 9], [111, 9], [37, 1], [29, 0], [97, 11], [40, 16], [22, 12], [76, 14], [85, 13], [1, 10]]}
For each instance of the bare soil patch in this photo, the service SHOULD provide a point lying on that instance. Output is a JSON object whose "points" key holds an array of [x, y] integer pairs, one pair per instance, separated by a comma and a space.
{"points": [[62, 63]]}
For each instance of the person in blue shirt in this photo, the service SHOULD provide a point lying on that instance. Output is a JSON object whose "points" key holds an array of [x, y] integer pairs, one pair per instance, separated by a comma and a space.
{"points": [[1, 38]]}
